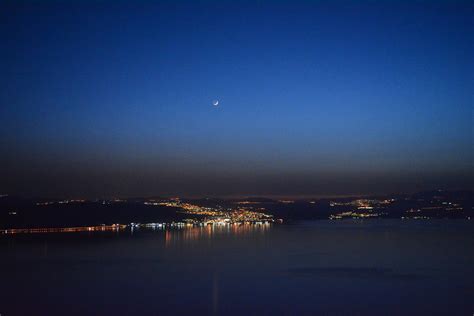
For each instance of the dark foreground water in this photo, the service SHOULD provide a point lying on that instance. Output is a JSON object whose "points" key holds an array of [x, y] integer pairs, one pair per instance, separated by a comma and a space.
{"points": [[377, 267]]}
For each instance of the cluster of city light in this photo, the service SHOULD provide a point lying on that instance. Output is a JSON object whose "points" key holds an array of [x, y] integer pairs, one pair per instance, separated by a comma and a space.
{"points": [[413, 210], [165, 203], [361, 208], [364, 204], [438, 203], [200, 210], [247, 202], [416, 217], [216, 216], [286, 201], [247, 215], [351, 214], [45, 203]]}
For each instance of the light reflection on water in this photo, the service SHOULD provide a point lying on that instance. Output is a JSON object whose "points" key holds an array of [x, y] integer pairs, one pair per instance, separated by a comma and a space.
{"points": [[351, 267], [190, 234]]}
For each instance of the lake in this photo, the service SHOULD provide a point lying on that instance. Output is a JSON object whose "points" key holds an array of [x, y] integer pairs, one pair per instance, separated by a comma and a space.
{"points": [[349, 267]]}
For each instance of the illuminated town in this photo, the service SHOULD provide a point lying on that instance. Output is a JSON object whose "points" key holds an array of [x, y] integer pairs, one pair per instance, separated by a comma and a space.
{"points": [[118, 214], [361, 208], [203, 216], [218, 215]]}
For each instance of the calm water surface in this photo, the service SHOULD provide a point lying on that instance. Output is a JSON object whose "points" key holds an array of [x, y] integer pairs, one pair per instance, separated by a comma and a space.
{"points": [[377, 267]]}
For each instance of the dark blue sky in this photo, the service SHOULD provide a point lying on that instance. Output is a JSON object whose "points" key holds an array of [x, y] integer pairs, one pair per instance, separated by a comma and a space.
{"points": [[115, 98]]}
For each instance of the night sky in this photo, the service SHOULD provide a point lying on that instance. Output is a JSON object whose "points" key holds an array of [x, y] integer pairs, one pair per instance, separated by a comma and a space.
{"points": [[102, 99]]}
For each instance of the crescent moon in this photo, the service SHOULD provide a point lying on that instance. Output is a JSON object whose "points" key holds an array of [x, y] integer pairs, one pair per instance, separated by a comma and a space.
{"points": [[215, 103]]}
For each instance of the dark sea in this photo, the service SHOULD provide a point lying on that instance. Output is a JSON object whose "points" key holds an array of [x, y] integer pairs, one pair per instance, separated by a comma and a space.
{"points": [[348, 267]]}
